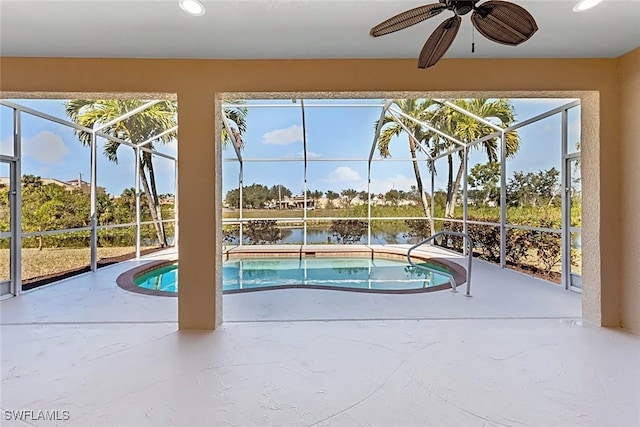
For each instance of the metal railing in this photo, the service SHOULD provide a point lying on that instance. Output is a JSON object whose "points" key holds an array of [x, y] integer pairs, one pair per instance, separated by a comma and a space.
{"points": [[469, 253]]}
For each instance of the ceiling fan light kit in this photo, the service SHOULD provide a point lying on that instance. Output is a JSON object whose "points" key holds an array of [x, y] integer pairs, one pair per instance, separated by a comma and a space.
{"points": [[499, 21], [192, 7], [583, 5]]}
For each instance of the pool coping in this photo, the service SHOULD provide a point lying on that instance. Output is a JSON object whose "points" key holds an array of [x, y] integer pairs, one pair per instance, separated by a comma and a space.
{"points": [[126, 280]]}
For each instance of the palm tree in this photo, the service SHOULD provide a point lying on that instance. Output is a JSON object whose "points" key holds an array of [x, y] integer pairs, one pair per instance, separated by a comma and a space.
{"points": [[467, 129], [420, 109], [237, 116], [153, 121], [136, 129]]}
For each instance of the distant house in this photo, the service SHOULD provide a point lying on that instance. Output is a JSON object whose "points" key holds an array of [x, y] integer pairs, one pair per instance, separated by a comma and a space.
{"points": [[74, 184], [294, 202], [78, 184], [166, 199]]}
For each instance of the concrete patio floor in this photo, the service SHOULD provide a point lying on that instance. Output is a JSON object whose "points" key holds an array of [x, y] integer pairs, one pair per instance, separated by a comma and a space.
{"points": [[513, 354]]}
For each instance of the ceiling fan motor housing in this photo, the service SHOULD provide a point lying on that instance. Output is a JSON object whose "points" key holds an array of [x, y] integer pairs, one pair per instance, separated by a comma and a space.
{"points": [[460, 7]]}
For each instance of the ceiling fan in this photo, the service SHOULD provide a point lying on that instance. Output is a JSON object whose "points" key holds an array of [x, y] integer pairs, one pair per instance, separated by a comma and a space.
{"points": [[499, 21]]}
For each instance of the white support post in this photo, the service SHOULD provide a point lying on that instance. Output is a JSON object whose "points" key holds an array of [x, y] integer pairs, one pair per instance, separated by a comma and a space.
{"points": [[565, 197], [137, 192], [433, 190], [369, 205], [465, 205], [385, 107], [236, 148], [304, 211], [305, 189], [16, 208], [93, 195], [503, 200], [175, 207], [240, 184]]}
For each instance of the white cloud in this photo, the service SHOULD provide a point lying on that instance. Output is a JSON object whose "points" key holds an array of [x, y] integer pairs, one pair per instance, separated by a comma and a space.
{"points": [[574, 127], [300, 155], [399, 182], [285, 136], [6, 146], [45, 147], [343, 174]]}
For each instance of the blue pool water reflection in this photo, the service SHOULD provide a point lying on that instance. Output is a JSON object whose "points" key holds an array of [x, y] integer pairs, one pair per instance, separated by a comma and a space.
{"points": [[334, 272]]}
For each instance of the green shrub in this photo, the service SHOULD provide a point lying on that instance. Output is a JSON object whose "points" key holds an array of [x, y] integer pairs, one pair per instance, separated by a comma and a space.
{"points": [[518, 245], [262, 232], [348, 231], [547, 245], [230, 233], [418, 228]]}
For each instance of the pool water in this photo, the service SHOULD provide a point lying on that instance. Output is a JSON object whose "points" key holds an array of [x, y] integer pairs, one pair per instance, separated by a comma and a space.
{"points": [[339, 272]]}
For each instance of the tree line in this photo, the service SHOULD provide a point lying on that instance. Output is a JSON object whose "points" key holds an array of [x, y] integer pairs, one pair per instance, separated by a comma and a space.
{"points": [[51, 206], [524, 189]]}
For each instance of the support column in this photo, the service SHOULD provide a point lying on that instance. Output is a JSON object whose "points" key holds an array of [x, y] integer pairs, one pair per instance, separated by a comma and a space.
{"points": [[433, 204], [175, 206], [465, 204], [600, 212], [137, 191], [16, 207], [305, 188], [240, 204], [369, 205], [199, 186], [94, 195], [565, 198], [503, 200]]}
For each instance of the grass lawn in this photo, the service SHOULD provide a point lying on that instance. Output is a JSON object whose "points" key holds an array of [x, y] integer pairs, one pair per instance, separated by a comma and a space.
{"points": [[49, 261]]}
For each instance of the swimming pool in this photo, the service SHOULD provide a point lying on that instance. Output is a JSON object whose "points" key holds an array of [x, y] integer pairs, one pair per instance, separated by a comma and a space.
{"points": [[350, 273]]}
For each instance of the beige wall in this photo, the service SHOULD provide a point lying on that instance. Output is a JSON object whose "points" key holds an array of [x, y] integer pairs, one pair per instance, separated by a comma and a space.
{"points": [[629, 74], [198, 82]]}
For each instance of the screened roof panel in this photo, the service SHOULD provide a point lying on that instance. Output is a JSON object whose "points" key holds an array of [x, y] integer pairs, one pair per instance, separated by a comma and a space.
{"points": [[272, 133], [346, 129], [340, 132], [536, 106]]}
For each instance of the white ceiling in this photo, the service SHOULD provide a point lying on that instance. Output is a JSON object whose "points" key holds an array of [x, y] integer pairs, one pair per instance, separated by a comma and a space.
{"points": [[284, 29]]}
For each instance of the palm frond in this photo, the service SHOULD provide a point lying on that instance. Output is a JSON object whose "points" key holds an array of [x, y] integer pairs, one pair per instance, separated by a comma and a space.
{"points": [[385, 138], [135, 129], [110, 150], [237, 116]]}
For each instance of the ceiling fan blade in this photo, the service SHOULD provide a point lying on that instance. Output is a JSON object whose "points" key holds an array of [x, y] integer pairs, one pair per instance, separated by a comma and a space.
{"points": [[439, 42], [504, 22], [407, 19]]}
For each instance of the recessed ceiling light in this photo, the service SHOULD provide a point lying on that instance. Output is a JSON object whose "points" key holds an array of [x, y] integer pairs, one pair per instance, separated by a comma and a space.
{"points": [[585, 4], [192, 7]]}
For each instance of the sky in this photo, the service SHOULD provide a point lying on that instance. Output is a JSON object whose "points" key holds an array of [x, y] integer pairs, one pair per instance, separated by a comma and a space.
{"points": [[51, 150], [339, 140], [336, 136]]}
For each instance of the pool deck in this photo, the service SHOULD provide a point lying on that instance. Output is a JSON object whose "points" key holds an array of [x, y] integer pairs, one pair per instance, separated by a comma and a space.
{"points": [[513, 354]]}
